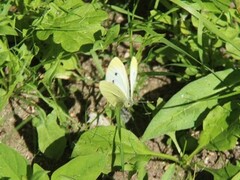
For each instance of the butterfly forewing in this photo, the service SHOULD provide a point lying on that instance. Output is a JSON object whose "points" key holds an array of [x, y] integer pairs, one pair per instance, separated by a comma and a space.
{"points": [[133, 74], [112, 93], [116, 74]]}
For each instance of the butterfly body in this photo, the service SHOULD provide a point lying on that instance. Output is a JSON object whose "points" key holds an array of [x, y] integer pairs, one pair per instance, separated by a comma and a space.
{"points": [[117, 88]]}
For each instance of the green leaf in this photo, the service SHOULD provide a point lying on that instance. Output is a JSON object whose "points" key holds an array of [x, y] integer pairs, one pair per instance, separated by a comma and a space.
{"points": [[39, 173], [221, 128], [106, 140], [12, 164], [111, 35], [5, 53], [5, 26], [16, 68], [227, 172], [72, 24], [51, 138], [7, 30], [186, 106], [62, 68], [82, 167], [237, 176], [211, 26], [232, 50], [141, 169], [161, 17], [214, 124], [51, 70]]}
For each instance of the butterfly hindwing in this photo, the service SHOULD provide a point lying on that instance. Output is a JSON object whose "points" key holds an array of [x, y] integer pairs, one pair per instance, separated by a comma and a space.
{"points": [[112, 93]]}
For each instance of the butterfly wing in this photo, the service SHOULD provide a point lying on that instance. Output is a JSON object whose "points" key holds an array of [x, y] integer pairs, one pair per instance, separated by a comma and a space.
{"points": [[116, 74], [133, 74], [112, 93]]}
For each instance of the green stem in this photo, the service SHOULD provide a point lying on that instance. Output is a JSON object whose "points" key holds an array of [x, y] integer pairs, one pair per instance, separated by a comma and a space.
{"points": [[119, 126], [173, 137], [196, 151], [164, 156]]}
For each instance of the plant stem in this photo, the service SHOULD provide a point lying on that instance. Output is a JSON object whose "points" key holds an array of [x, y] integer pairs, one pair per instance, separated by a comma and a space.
{"points": [[119, 126], [164, 156]]}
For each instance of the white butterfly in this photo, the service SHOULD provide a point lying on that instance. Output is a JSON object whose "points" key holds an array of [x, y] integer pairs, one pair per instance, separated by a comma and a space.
{"points": [[116, 88]]}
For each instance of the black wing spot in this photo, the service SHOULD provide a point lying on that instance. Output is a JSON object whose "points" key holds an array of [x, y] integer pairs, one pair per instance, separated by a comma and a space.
{"points": [[115, 73], [113, 81]]}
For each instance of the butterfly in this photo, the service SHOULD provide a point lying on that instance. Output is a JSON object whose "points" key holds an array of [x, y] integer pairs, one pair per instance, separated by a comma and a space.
{"points": [[117, 88]]}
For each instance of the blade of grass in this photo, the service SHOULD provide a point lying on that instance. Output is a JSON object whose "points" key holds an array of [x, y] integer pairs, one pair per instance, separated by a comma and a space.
{"points": [[208, 24], [123, 11], [199, 40], [97, 63]]}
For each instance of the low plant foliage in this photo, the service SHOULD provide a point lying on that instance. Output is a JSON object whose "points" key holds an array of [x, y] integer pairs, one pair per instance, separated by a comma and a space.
{"points": [[197, 41]]}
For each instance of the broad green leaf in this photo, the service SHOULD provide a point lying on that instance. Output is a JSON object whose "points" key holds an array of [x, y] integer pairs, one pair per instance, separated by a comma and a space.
{"points": [[186, 106], [221, 128], [106, 140], [82, 167], [12, 164], [51, 137], [6, 27], [7, 30], [227, 172], [102, 139], [214, 124], [236, 177], [227, 131], [39, 173], [72, 24]]}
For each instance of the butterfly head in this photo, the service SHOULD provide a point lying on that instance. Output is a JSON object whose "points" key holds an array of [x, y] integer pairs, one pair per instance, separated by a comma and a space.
{"points": [[128, 103]]}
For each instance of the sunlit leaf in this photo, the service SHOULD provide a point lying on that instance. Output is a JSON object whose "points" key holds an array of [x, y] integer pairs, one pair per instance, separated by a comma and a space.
{"points": [[227, 172], [72, 24], [82, 167], [39, 173], [221, 128], [106, 140], [12, 164], [5, 26], [186, 106], [51, 138]]}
